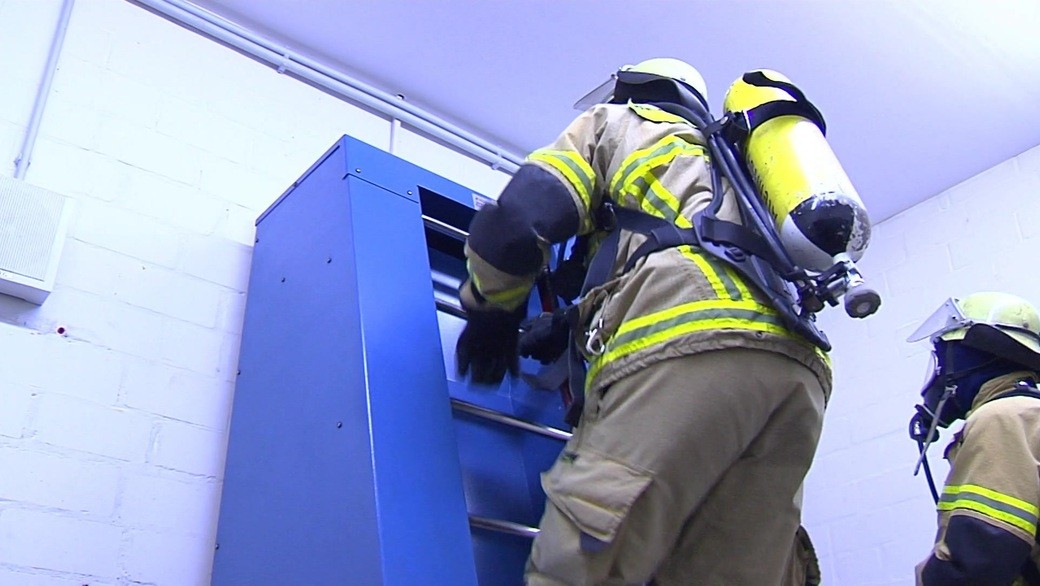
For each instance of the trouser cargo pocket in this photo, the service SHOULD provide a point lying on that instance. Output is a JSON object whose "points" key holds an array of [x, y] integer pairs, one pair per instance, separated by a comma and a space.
{"points": [[594, 491]]}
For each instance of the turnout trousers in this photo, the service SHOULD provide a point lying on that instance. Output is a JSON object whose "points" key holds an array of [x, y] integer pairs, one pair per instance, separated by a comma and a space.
{"points": [[686, 472]]}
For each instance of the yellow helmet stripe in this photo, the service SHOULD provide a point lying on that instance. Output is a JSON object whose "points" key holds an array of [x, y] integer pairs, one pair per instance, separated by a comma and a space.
{"points": [[993, 504]]}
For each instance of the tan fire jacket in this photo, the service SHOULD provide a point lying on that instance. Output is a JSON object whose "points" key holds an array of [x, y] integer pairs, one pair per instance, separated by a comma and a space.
{"points": [[675, 302], [994, 463]]}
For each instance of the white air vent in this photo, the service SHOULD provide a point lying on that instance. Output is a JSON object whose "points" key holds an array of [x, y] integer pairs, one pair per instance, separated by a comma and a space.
{"points": [[33, 223]]}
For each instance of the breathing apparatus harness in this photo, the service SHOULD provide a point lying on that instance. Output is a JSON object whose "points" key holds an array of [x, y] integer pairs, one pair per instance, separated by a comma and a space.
{"points": [[752, 248]]}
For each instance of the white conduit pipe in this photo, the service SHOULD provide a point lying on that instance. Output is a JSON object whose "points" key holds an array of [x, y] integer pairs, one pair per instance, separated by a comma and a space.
{"points": [[24, 158], [285, 60]]}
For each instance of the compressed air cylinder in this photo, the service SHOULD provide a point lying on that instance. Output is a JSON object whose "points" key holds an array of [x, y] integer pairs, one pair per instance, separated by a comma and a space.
{"points": [[818, 214]]}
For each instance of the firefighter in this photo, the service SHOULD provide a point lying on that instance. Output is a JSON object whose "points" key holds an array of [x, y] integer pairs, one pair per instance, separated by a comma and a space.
{"points": [[986, 358], [702, 411]]}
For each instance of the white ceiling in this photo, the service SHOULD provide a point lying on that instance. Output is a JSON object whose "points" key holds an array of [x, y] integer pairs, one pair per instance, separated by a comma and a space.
{"points": [[918, 95]]}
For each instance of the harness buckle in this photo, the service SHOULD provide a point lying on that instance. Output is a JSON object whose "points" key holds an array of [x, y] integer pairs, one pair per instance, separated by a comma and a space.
{"points": [[594, 344]]}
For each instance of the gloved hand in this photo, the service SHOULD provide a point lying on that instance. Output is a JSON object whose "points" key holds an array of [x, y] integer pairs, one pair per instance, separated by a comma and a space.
{"points": [[544, 337], [487, 345]]}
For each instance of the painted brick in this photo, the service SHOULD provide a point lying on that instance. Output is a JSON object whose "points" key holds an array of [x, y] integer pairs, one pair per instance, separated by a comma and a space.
{"points": [[189, 123], [188, 448], [233, 312], [164, 503], [84, 41], [190, 346], [190, 73], [87, 371], [177, 393], [171, 202], [52, 542], [174, 294], [62, 482], [28, 26], [827, 498], [98, 429], [75, 82], [72, 169], [217, 260], [237, 183], [908, 548], [126, 232], [14, 415], [859, 567], [151, 151], [168, 558], [229, 352], [129, 100], [34, 577], [99, 320], [279, 108], [239, 225], [10, 142], [16, 107]]}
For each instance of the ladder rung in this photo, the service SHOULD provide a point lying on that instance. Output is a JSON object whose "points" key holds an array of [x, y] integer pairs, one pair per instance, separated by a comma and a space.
{"points": [[450, 309], [503, 526], [509, 420], [446, 229]]}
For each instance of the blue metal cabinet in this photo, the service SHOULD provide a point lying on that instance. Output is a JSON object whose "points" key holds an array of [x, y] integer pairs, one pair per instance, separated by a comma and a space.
{"points": [[346, 462]]}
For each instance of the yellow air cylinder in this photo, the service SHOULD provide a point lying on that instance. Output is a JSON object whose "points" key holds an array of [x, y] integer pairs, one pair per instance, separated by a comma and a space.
{"points": [[818, 214]]}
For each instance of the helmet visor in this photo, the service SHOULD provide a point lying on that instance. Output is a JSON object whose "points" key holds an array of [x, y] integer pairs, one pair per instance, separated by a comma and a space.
{"points": [[947, 318], [601, 94]]}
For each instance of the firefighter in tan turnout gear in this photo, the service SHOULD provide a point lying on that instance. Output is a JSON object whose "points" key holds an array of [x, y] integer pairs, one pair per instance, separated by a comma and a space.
{"points": [[702, 407], [986, 360]]}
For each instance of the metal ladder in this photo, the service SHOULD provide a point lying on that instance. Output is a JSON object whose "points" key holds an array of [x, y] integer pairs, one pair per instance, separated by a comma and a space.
{"points": [[459, 406]]}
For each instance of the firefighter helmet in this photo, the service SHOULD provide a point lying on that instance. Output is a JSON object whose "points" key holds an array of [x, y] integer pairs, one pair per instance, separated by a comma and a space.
{"points": [[1000, 324], [672, 69]]}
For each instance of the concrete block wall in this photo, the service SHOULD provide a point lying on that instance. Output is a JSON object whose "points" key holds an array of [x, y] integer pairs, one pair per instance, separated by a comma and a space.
{"points": [[871, 519], [113, 433]]}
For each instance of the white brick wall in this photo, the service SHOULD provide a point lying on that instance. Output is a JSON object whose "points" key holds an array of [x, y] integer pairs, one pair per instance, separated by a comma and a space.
{"points": [[113, 434], [872, 521]]}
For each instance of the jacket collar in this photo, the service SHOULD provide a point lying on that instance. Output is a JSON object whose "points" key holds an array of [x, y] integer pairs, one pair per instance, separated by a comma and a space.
{"points": [[992, 388]]}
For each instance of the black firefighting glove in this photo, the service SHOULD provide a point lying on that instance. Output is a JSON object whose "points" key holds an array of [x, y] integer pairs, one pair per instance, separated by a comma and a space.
{"points": [[487, 345], [544, 337]]}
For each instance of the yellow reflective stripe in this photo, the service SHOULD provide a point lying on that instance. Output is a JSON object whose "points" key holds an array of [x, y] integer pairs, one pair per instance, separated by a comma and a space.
{"points": [[1026, 506], [748, 305], [738, 282], [722, 290], [661, 200], [509, 297], [1006, 508], [648, 330], [643, 161], [655, 114], [572, 166]]}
